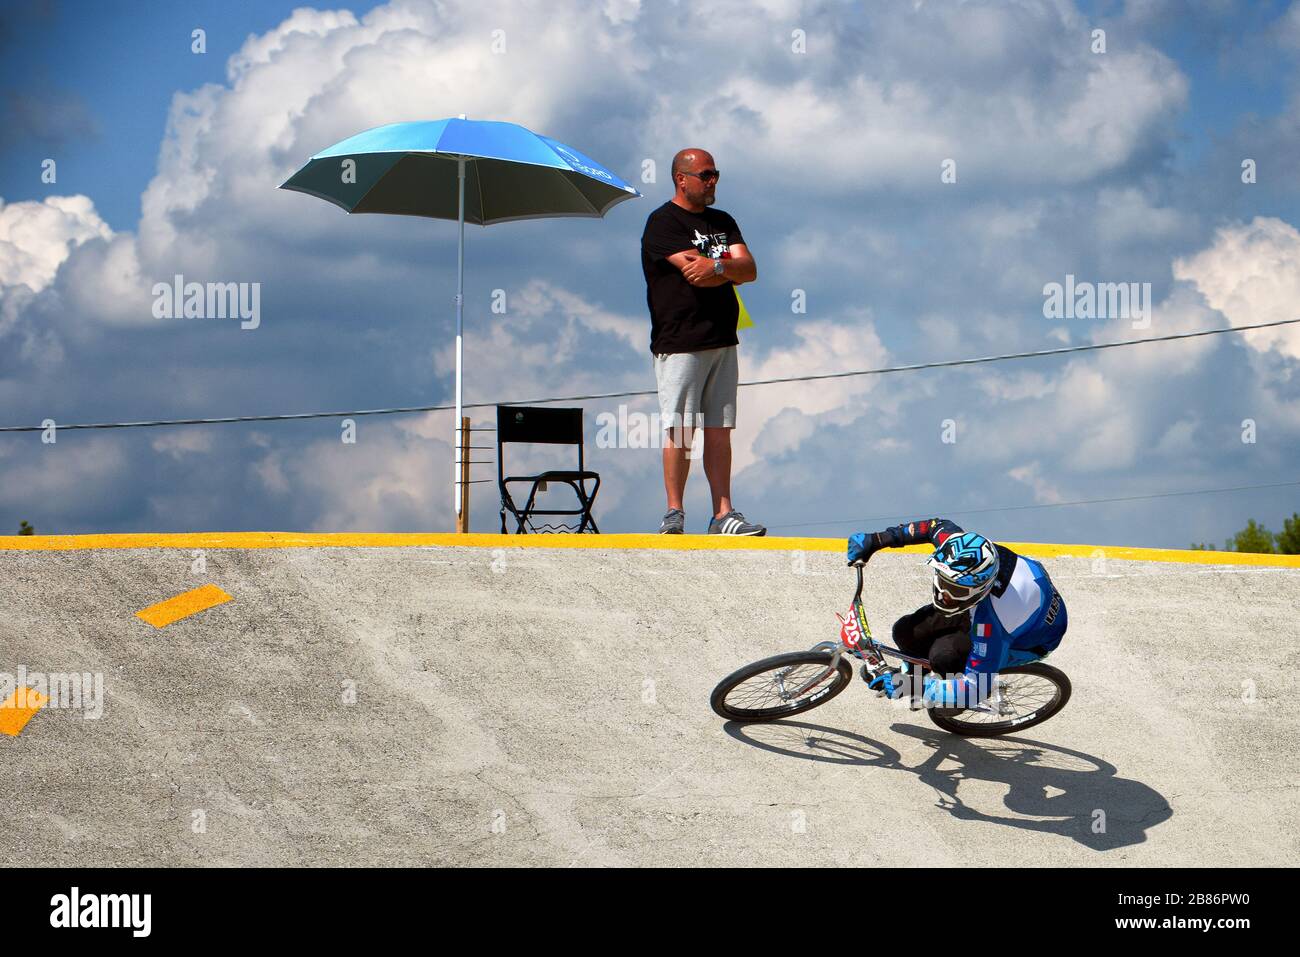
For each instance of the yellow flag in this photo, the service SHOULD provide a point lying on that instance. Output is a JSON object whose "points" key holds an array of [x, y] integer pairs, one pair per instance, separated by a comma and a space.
{"points": [[743, 321]]}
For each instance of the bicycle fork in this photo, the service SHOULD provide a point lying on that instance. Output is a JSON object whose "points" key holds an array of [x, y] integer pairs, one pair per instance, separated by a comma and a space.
{"points": [[836, 653]]}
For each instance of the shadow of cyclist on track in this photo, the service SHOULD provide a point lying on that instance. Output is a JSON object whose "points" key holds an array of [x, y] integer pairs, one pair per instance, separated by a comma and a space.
{"points": [[1056, 790], [1073, 794]]}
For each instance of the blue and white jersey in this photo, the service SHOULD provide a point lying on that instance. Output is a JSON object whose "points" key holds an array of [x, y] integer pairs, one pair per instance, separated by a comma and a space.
{"points": [[1023, 611], [1022, 617]]}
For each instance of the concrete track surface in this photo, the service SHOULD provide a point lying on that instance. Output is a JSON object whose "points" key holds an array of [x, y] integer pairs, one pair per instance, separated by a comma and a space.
{"points": [[550, 707]]}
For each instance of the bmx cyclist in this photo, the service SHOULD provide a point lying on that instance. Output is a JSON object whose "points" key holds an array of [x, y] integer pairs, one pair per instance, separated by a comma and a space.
{"points": [[990, 608]]}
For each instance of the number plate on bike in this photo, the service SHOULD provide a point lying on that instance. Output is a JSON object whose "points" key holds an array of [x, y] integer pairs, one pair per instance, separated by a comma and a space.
{"points": [[853, 629]]}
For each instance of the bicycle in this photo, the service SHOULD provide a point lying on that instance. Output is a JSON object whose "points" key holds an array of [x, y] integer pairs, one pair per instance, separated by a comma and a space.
{"points": [[1025, 693]]}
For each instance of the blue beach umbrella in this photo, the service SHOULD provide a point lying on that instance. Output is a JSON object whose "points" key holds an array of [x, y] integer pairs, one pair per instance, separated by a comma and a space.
{"points": [[472, 171]]}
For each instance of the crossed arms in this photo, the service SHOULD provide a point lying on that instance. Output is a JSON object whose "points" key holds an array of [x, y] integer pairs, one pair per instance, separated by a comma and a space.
{"points": [[698, 270]]}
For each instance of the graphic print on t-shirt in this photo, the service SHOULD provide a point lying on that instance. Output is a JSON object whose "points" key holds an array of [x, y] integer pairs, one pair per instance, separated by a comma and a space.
{"points": [[713, 245]]}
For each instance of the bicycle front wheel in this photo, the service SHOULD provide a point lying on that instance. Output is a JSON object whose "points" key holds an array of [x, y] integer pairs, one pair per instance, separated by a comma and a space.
{"points": [[780, 686]]}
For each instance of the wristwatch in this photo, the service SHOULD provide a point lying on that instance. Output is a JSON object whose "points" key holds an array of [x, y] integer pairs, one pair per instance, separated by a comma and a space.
{"points": [[717, 267]]}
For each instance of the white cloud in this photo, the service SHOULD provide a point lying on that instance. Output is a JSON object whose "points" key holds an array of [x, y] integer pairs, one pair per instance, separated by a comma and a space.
{"points": [[1251, 274], [784, 433], [303, 22], [181, 443], [1064, 116], [549, 342], [1179, 439], [1104, 408], [1045, 493], [847, 343], [538, 298], [622, 11], [392, 479], [1015, 385], [1127, 214], [812, 250], [37, 238], [104, 284], [74, 475]]}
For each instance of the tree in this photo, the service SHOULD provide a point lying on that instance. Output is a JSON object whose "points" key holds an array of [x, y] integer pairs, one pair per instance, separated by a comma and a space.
{"points": [[1202, 547], [1254, 538], [25, 529], [1288, 540]]}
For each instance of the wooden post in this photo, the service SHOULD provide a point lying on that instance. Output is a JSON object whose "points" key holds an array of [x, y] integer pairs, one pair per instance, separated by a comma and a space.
{"points": [[462, 520]]}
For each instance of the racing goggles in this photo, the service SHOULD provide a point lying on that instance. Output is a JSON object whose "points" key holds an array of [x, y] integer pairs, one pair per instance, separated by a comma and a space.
{"points": [[952, 596]]}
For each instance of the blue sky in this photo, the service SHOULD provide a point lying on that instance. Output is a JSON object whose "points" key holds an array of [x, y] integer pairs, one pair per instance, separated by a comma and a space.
{"points": [[1120, 167], [120, 61]]}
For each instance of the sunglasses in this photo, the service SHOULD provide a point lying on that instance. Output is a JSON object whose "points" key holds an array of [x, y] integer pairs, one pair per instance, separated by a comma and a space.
{"points": [[705, 174]]}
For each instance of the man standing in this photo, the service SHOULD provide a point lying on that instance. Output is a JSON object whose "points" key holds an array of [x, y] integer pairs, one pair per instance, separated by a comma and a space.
{"points": [[692, 256]]}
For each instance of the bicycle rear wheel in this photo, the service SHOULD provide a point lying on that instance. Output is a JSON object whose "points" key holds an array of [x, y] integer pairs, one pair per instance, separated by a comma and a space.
{"points": [[1030, 694], [780, 686]]}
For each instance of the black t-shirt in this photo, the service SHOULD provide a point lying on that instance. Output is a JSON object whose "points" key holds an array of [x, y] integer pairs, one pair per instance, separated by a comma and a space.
{"points": [[686, 318]]}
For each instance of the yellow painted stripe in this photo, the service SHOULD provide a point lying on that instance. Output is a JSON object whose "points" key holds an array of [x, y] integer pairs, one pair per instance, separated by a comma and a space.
{"points": [[247, 540], [183, 605], [1185, 556], [14, 716]]}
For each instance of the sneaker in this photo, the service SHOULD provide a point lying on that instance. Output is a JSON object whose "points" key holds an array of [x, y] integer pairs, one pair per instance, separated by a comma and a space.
{"points": [[883, 681], [674, 522], [733, 523]]}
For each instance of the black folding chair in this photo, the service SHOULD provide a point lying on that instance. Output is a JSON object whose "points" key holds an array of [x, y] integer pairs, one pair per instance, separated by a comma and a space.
{"points": [[543, 426]]}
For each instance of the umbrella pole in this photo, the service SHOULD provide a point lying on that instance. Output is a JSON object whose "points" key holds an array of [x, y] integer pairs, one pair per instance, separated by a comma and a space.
{"points": [[462, 521]]}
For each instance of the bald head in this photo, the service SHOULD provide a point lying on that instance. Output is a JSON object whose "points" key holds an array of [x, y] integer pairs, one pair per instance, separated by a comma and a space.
{"points": [[693, 190], [690, 160]]}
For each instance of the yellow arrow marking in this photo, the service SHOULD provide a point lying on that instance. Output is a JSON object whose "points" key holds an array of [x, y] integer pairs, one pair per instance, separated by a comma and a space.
{"points": [[14, 716], [183, 605]]}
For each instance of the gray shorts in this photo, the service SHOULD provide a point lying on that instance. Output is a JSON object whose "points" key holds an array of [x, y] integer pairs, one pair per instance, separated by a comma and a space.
{"points": [[698, 388]]}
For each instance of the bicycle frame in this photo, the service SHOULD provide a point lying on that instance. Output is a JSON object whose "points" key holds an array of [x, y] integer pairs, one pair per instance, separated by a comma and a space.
{"points": [[879, 647]]}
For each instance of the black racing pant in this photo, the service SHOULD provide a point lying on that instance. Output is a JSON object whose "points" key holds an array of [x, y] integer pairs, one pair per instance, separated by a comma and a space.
{"points": [[927, 633]]}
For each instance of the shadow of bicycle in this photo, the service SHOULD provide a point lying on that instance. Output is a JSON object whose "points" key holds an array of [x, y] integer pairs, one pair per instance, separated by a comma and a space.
{"points": [[1051, 789], [812, 742]]}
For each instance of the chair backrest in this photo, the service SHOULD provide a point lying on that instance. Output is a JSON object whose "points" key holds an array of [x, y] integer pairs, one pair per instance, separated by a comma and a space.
{"points": [[538, 424], [520, 423]]}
